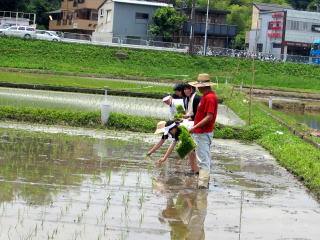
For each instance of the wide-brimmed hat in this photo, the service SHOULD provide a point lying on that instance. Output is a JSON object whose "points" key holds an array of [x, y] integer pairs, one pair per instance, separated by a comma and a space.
{"points": [[203, 81], [160, 127]]}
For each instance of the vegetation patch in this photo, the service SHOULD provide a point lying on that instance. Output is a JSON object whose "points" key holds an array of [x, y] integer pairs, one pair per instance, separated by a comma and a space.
{"points": [[77, 118], [77, 58], [82, 82], [186, 143]]}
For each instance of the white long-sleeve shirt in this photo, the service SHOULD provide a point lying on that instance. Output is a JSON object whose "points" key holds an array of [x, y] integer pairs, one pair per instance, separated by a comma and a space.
{"points": [[173, 107]]}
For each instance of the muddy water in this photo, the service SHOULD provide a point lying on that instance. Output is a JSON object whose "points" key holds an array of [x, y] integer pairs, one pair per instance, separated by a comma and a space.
{"points": [[55, 186], [312, 120]]}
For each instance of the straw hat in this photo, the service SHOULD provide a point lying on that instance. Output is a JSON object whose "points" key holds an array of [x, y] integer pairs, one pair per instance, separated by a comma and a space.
{"points": [[160, 127], [203, 81]]}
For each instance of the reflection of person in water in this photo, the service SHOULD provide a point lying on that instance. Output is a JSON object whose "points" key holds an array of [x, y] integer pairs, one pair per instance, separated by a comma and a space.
{"points": [[187, 214]]}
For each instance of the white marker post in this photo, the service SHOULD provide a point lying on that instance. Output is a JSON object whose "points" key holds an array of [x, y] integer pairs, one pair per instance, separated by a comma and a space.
{"points": [[270, 102], [105, 108]]}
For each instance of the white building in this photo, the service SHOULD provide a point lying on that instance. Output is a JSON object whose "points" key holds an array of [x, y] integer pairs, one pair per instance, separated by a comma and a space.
{"points": [[17, 18], [125, 18], [285, 31]]}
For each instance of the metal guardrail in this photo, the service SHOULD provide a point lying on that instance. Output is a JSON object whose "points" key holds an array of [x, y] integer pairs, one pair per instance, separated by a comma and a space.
{"points": [[227, 52]]}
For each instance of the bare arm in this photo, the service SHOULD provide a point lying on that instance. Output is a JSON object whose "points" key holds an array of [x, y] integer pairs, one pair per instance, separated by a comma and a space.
{"points": [[203, 122], [156, 147], [169, 151]]}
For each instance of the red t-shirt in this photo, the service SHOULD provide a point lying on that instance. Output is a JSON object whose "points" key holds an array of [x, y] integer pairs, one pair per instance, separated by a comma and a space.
{"points": [[208, 104]]}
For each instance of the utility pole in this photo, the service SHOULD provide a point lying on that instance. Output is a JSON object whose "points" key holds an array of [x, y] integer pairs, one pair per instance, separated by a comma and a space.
{"points": [[192, 21], [206, 31]]}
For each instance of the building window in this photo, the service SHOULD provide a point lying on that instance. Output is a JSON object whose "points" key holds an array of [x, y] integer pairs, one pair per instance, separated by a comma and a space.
{"points": [[294, 25], [315, 28], [101, 12], [259, 47], [276, 45], [81, 1], [94, 16], [109, 15], [305, 26], [142, 16]]}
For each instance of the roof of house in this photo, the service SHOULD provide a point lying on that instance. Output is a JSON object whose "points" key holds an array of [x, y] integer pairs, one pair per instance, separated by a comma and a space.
{"points": [[160, 3], [270, 7], [204, 10]]}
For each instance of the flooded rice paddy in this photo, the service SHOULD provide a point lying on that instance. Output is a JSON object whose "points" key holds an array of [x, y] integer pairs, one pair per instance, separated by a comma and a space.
{"points": [[312, 120], [101, 186], [92, 102]]}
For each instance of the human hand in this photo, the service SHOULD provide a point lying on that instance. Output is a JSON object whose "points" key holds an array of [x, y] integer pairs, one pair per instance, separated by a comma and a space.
{"points": [[161, 160], [148, 153], [191, 130]]}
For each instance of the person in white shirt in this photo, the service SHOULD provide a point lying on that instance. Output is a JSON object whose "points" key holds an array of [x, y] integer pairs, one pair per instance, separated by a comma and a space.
{"points": [[171, 130], [173, 103]]}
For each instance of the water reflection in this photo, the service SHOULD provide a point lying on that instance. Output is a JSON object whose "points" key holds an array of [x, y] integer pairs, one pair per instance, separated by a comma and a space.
{"points": [[62, 187], [55, 163], [312, 120], [185, 214]]}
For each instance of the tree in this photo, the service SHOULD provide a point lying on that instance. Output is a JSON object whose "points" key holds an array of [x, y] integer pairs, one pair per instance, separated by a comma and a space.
{"points": [[299, 4], [12, 5], [314, 6], [167, 21]]}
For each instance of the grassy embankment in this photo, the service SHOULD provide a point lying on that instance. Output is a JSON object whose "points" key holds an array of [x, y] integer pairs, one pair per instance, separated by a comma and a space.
{"points": [[299, 157], [82, 82], [76, 58]]}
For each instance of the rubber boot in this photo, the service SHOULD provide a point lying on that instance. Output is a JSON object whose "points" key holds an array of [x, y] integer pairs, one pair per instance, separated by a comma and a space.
{"points": [[203, 180]]}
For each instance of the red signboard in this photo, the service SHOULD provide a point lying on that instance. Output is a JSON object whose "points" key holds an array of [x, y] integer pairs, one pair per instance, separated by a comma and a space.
{"points": [[274, 28], [277, 15], [274, 35], [275, 22]]}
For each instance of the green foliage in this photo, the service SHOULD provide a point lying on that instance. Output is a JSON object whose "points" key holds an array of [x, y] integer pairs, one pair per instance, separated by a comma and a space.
{"points": [[144, 63], [186, 144], [81, 82], [131, 123], [76, 118], [180, 109], [227, 133], [178, 115], [313, 5], [167, 21]]}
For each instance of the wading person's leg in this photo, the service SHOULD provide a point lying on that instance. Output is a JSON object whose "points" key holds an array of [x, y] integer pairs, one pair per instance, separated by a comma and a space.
{"points": [[203, 141], [193, 162]]}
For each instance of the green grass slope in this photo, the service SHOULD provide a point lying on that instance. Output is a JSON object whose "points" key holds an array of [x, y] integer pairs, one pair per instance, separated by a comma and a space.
{"points": [[78, 58]]}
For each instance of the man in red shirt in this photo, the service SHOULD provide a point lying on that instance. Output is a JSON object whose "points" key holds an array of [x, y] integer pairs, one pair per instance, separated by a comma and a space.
{"points": [[204, 126]]}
